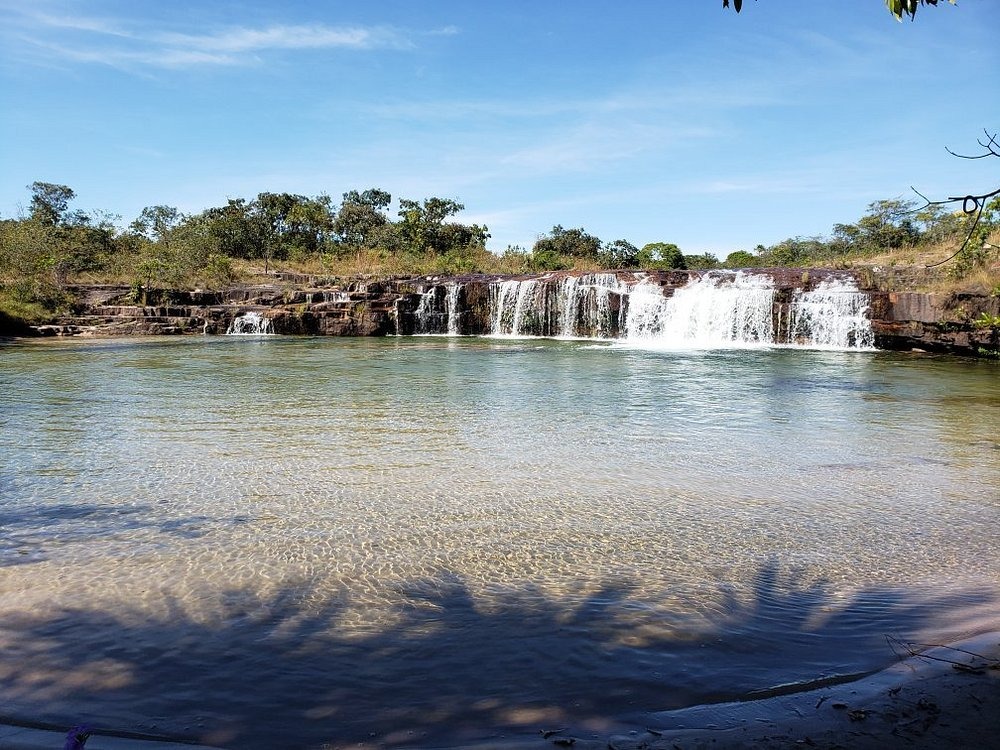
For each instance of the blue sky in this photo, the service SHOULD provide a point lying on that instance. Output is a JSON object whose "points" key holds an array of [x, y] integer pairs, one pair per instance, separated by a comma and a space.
{"points": [[659, 120]]}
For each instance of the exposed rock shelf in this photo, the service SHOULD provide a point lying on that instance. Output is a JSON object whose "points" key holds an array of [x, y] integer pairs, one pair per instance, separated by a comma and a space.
{"points": [[468, 305]]}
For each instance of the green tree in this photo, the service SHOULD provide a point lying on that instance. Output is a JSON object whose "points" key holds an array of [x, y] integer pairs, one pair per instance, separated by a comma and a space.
{"points": [[794, 251], [311, 222], [701, 261], [620, 254], [423, 229], [40, 253], [361, 216], [290, 225], [888, 224], [157, 222], [976, 251], [740, 259], [49, 202], [236, 230], [73, 242], [569, 244], [27, 266], [661, 255]]}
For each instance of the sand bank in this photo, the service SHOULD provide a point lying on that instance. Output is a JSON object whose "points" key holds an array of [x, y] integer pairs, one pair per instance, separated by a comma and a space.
{"points": [[946, 697]]}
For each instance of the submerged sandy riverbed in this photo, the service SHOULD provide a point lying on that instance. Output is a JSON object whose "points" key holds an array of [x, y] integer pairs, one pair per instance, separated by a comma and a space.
{"points": [[299, 542]]}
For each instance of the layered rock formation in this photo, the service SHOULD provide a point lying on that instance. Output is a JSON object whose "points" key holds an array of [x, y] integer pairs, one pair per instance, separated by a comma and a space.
{"points": [[962, 324]]}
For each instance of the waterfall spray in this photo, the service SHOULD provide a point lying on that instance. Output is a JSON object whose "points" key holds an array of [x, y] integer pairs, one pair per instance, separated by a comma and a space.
{"points": [[250, 324]]}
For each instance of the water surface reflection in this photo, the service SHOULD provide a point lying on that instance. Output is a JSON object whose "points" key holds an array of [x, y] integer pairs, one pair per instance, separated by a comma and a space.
{"points": [[296, 541]]}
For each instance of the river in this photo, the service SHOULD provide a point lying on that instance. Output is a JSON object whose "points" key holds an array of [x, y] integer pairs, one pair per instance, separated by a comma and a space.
{"points": [[284, 542]]}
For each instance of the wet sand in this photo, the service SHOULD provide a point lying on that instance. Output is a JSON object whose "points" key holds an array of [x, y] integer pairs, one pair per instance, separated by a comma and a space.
{"points": [[945, 697]]}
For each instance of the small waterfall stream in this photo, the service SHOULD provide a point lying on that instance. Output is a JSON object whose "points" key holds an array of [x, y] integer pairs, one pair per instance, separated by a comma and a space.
{"points": [[439, 311], [834, 315], [250, 324]]}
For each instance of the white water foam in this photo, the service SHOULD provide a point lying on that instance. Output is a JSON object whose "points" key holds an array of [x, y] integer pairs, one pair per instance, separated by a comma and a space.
{"points": [[435, 316], [832, 316], [250, 324], [518, 308], [451, 302], [719, 309], [428, 314], [573, 307], [716, 310]]}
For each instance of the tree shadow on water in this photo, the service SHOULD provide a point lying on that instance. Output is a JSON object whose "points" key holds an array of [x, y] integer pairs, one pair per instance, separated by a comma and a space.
{"points": [[449, 666]]}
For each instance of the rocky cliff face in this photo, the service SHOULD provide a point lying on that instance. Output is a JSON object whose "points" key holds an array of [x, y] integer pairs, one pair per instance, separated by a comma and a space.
{"points": [[966, 324], [961, 324]]}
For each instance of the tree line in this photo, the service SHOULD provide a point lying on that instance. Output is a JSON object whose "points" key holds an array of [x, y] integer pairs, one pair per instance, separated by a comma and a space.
{"points": [[53, 244]]}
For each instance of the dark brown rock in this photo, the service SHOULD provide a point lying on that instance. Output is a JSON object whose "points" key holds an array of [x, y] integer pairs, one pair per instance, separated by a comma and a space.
{"points": [[957, 323]]}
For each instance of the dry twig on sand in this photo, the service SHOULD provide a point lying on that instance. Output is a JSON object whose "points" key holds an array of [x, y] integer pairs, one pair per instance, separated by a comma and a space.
{"points": [[919, 650]]}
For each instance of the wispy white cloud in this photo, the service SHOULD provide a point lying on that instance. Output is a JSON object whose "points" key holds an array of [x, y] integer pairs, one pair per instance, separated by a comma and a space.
{"points": [[627, 102], [117, 43], [596, 143], [287, 37], [124, 58], [450, 30], [77, 23]]}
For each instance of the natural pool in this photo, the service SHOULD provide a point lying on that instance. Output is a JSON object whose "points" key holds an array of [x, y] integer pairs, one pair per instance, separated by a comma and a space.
{"points": [[285, 542]]}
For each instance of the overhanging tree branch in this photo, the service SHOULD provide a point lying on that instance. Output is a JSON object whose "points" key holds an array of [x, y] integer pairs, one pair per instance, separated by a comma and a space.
{"points": [[972, 205], [992, 148]]}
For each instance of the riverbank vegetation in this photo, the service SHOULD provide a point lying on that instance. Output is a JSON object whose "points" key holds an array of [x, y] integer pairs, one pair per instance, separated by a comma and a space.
{"points": [[52, 245]]}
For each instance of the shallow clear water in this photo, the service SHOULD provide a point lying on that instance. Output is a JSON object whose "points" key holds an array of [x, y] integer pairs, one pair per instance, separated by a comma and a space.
{"points": [[291, 541]]}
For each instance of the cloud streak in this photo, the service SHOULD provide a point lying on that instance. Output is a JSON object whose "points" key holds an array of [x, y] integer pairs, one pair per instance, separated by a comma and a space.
{"points": [[301, 36], [114, 43]]}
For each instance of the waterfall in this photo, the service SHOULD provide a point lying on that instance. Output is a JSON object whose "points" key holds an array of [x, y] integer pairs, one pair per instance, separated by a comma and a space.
{"points": [[519, 308], [833, 315], [451, 300], [428, 314], [573, 307], [718, 309], [438, 311], [250, 324], [587, 305], [712, 310]]}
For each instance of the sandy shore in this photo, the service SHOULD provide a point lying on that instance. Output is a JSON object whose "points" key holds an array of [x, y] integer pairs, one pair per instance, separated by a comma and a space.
{"points": [[946, 697]]}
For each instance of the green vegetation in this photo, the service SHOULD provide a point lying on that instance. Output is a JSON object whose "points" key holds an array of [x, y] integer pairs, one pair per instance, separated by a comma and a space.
{"points": [[54, 246], [985, 320]]}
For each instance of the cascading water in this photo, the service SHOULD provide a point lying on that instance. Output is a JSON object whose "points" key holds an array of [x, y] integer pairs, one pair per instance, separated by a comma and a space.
{"points": [[714, 310], [587, 305], [428, 313], [438, 312], [519, 308], [250, 324], [574, 306], [451, 303], [833, 315]]}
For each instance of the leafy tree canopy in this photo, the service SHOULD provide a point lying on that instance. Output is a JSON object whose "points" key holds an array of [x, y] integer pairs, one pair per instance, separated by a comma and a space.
{"points": [[49, 202], [570, 243], [662, 255]]}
